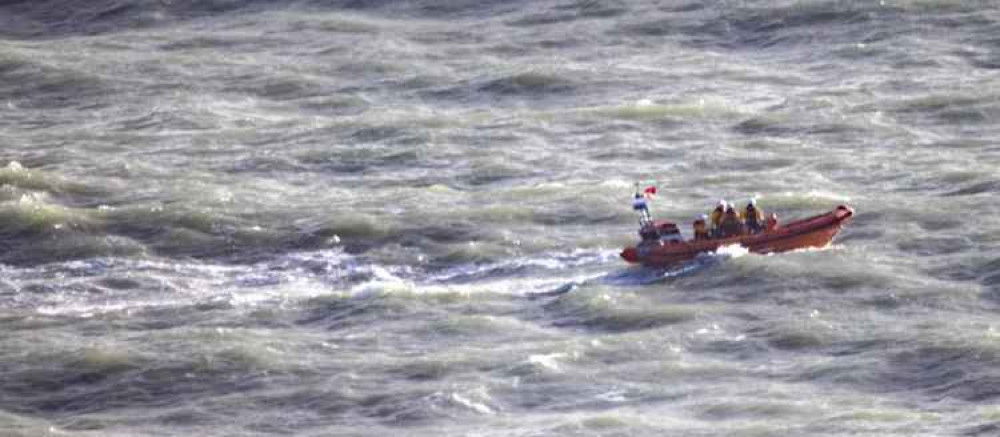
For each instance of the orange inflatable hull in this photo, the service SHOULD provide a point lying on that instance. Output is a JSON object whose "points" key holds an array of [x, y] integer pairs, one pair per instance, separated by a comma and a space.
{"points": [[815, 231]]}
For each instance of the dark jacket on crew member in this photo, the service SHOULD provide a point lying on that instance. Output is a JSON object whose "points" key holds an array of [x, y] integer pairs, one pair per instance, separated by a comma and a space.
{"points": [[753, 217]]}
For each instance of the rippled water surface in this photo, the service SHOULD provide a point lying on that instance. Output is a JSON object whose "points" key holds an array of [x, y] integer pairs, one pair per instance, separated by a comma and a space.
{"points": [[323, 217]]}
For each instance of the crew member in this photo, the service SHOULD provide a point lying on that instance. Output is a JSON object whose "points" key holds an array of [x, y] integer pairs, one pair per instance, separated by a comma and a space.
{"points": [[731, 225], [717, 218], [700, 232], [640, 206], [772, 222], [753, 217]]}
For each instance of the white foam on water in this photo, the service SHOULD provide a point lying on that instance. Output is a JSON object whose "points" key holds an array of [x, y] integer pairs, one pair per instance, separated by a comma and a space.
{"points": [[383, 282], [292, 277], [731, 251], [548, 361], [478, 407]]}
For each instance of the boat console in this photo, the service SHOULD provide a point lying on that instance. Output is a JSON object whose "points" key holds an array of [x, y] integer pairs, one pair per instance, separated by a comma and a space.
{"points": [[661, 231]]}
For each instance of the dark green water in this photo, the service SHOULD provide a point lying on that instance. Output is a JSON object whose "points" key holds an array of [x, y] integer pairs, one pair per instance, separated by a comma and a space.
{"points": [[326, 218]]}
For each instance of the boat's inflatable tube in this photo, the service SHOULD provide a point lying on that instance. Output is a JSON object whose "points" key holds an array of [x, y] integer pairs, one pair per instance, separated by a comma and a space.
{"points": [[815, 231]]}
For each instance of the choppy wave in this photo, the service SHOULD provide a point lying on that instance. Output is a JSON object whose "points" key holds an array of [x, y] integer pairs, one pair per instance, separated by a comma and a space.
{"points": [[346, 217]]}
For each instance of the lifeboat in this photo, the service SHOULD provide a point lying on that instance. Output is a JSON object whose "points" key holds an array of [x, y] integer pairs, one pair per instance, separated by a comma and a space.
{"points": [[662, 246]]}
